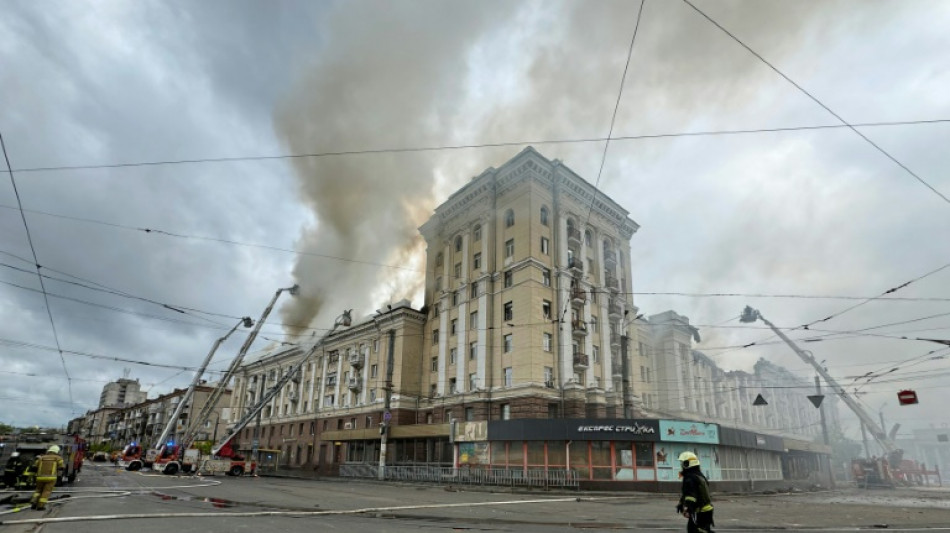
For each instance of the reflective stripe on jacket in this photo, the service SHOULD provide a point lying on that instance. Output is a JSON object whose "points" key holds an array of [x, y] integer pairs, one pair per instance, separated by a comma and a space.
{"points": [[48, 467]]}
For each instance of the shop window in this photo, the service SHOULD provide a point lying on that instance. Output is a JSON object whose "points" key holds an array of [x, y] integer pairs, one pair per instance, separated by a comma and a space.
{"points": [[644, 454], [580, 459], [535, 454], [557, 455], [499, 454]]}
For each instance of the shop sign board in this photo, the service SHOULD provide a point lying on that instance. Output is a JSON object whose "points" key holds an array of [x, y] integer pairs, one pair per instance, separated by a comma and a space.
{"points": [[683, 431]]}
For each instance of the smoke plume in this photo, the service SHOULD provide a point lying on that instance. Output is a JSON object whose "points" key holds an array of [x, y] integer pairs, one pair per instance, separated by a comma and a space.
{"points": [[437, 73]]}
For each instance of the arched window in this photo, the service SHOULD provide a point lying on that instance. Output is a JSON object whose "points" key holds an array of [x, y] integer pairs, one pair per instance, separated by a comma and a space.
{"points": [[438, 259], [606, 245], [458, 243], [509, 218], [544, 215], [587, 237]]}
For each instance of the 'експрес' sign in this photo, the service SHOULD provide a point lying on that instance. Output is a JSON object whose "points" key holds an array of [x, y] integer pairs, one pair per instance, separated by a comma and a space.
{"points": [[636, 429]]}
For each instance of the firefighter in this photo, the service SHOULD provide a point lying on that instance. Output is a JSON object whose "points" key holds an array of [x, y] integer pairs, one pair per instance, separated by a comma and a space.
{"points": [[695, 503], [49, 467]]}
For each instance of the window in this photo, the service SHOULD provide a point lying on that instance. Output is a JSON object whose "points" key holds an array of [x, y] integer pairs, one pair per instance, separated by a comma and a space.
{"points": [[438, 259], [369, 421], [595, 354], [544, 215], [509, 279], [593, 320], [458, 271], [477, 234], [477, 260], [455, 298], [546, 277], [509, 218], [373, 370], [508, 343], [473, 320], [587, 237], [458, 243], [435, 364], [433, 390], [328, 400], [544, 245], [509, 248], [552, 410], [472, 381], [472, 350], [469, 414], [435, 335], [546, 342], [455, 324], [331, 379], [452, 388], [435, 310], [546, 309], [509, 311], [372, 395], [509, 376], [376, 345], [548, 375], [506, 411], [474, 292], [453, 354]]}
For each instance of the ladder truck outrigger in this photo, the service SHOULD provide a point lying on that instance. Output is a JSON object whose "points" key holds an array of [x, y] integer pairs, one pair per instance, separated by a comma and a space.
{"points": [[884, 473], [174, 457]]}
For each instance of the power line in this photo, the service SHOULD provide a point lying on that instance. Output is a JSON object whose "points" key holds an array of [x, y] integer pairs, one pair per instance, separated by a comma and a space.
{"points": [[613, 117], [436, 148], [819, 102], [29, 238]]}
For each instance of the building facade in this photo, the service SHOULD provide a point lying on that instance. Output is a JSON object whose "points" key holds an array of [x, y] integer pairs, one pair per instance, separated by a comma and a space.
{"points": [[121, 392], [528, 334]]}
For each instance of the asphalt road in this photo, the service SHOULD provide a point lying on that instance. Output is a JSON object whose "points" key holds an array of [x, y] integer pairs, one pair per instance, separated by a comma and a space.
{"points": [[109, 499]]}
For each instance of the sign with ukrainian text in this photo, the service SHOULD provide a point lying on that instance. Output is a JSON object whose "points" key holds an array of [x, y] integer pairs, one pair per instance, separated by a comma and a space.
{"points": [[683, 431]]}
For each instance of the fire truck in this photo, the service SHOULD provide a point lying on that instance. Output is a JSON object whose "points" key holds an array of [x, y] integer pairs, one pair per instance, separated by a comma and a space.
{"points": [[18, 471]]}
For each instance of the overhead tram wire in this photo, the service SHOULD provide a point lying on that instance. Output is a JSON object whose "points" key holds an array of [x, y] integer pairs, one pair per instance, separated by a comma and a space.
{"points": [[503, 144], [819, 102], [613, 117], [884, 297], [36, 263]]}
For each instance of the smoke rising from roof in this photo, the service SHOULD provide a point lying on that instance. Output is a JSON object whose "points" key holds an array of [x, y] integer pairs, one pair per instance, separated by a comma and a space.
{"points": [[409, 77]]}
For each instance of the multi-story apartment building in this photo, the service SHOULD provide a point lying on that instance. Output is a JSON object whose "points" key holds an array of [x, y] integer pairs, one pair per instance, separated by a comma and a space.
{"points": [[527, 353], [121, 392], [143, 422]]}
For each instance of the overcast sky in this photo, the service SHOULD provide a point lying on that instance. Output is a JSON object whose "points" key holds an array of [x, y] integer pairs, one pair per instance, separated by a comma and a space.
{"points": [[816, 212]]}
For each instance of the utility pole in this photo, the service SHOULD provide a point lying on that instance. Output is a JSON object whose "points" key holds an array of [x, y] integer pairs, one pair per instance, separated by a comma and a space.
{"points": [[625, 382], [387, 416], [256, 445], [824, 431]]}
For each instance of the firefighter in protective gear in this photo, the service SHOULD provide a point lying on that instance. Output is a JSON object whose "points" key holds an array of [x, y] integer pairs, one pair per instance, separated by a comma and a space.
{"points": [[695, 503], [49, 468]]}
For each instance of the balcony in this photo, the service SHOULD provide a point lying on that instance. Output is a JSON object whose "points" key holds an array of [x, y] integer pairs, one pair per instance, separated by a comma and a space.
{"points": [[574, 236], [610, 259], [575, 264], [356, 360], [580, 361], [578, 296], [615, 340], [354, 384], [578, 328], [617, 368], [613, 308], [612, 283]]}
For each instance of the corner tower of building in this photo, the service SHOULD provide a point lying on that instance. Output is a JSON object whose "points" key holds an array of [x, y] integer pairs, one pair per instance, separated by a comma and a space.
{"points": [[529, 295]]}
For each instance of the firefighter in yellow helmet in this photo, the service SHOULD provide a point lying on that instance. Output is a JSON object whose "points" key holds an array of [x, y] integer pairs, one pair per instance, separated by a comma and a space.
{"points": [[695, 503], [48, 467]]}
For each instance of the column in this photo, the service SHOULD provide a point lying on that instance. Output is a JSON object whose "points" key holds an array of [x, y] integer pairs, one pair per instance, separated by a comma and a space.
{"points": [[564, 297], [461, 363]]}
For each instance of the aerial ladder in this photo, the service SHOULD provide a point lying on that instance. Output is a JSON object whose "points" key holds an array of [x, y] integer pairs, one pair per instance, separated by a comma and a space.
{"points": [[344, 320], [171, 458], [894, 454], [162, 451], [750, 315]]}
